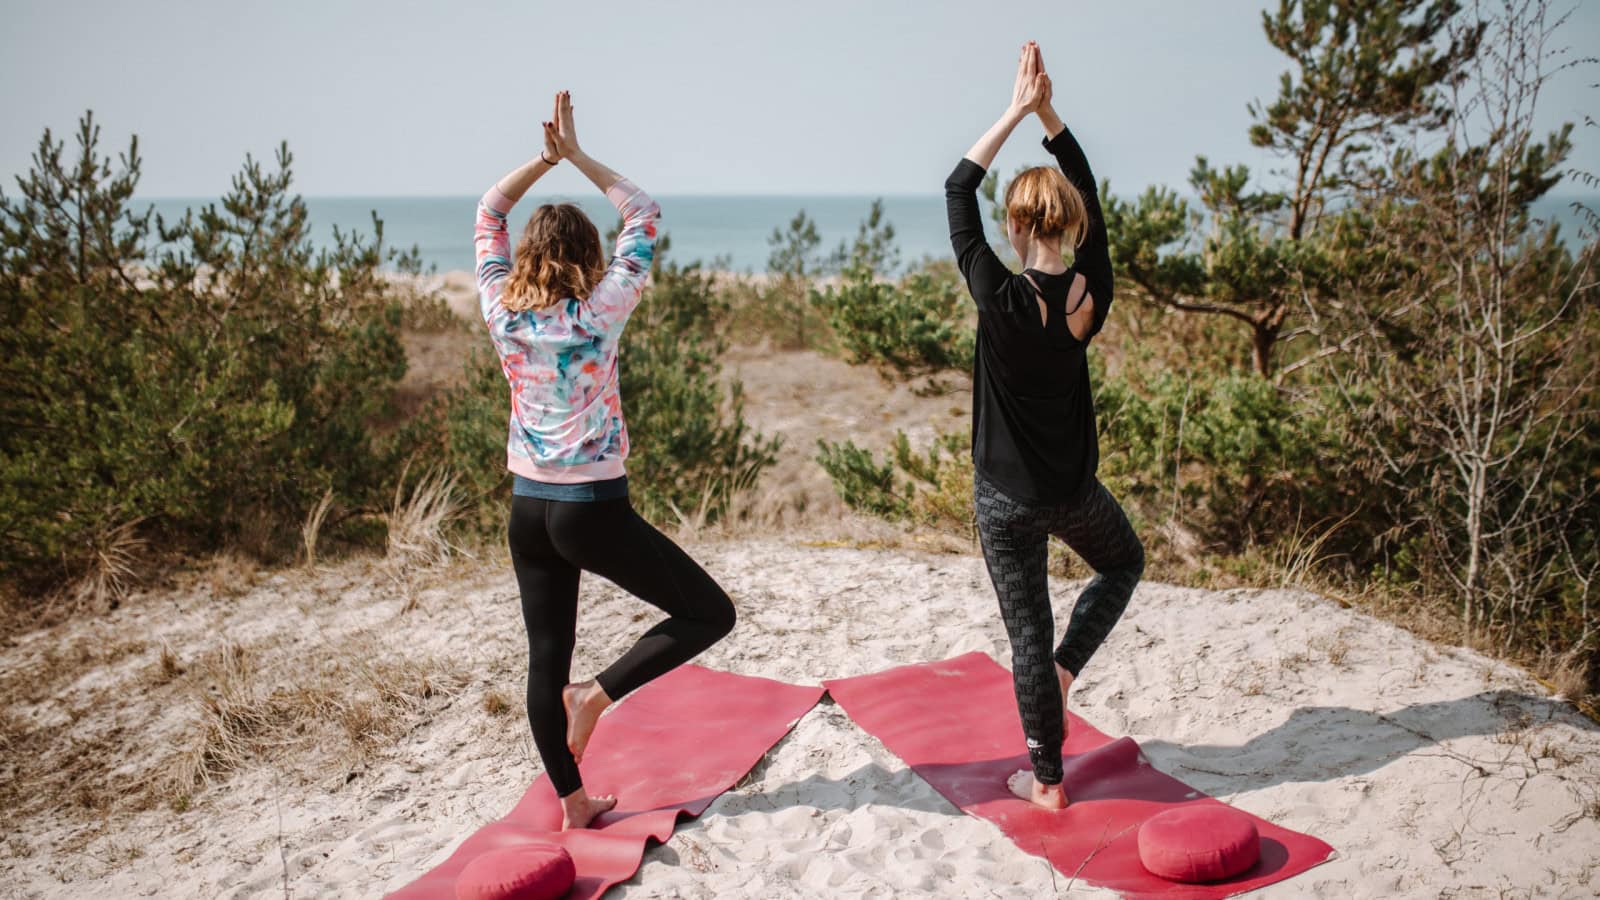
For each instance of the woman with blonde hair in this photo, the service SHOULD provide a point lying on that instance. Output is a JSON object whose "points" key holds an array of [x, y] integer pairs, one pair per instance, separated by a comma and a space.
{"points": [[555, 310], [1034, 446]]}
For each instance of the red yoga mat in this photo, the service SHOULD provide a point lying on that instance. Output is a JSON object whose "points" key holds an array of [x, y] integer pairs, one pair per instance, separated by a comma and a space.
{"points": [[666, 751], [955, 723]]}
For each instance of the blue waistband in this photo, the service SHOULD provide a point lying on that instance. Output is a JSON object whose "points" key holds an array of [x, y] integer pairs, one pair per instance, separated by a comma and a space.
{"points": [[577, 492]]}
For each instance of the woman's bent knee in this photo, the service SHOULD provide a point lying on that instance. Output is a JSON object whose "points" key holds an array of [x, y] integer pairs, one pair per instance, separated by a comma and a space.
{"points": [[1135, 566], [724, 617]]}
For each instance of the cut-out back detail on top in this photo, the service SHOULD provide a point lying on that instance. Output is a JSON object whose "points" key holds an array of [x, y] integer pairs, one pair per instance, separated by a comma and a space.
{"points": [[1079, 289]]}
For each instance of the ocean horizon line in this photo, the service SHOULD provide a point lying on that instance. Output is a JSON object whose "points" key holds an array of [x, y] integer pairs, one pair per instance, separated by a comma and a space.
{"points": [[732, 231], [662, 195]]}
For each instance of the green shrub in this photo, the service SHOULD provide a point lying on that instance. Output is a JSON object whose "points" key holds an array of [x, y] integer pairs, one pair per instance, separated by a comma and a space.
{"points": [[209, 379], [933, 489], [919, 325], [862, 483], [463, 431], [943, 481], [692, 449], [782, 309], [1227, 453]]}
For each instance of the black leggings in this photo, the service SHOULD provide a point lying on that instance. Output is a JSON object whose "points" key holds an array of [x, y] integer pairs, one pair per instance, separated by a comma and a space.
{"points": [[1014, 537], [552, 542]]}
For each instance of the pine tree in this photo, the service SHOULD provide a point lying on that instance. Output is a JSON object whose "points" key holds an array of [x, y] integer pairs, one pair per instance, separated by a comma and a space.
{"points": [[1359, 70]]}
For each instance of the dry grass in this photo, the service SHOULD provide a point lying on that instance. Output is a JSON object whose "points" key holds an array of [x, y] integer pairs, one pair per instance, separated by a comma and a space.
{"points": [[1294, 662], [693, 523], [230, 574], [1301, 553], [496, 704], [312, 528], [69, 749], [338, 700], [417, 521], [12, 733], [1569, 678], [1249, 681], [111, 568], [61, 766], [1337, 648], [1560, 754], [1298, 561], [56, 664], [167, 666]]}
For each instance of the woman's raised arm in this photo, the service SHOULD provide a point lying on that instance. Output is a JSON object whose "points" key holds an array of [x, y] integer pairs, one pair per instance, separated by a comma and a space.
{"points": [[618, 292], [982, 269], [1025, 96], [491, 240], [1093, 257]]}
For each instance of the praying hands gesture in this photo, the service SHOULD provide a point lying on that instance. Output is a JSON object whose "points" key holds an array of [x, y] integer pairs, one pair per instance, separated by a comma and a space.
{"points": [[1030, 93], [1032, 87], [561, 142], [561, 132], [552, 147]]}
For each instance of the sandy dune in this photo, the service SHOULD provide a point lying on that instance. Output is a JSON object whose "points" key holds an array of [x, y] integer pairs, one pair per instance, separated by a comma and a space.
{"points": [[1434, 771]]}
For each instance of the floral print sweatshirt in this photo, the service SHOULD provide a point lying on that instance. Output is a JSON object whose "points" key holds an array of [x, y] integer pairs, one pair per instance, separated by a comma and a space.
{"points": [[566, 422]]}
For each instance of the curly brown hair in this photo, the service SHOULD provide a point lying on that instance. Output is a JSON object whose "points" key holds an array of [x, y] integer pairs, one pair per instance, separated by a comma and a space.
{"points": [[557, 257]]}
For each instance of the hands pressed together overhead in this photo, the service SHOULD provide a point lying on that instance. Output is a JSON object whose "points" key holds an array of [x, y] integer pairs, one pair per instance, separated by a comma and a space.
{"points": [[560, 131], [1031, 92], [560, 143]]}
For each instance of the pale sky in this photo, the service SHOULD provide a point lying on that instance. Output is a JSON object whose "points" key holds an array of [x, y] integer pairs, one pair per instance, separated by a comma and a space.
{"points": [[696, 97]]}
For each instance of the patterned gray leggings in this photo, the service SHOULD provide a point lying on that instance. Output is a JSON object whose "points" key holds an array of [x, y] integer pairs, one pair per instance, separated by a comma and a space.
{"points": [[1014, 537]]}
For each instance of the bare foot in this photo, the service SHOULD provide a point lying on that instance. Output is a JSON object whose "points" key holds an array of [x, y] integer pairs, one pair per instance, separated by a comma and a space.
{"points": [[584, 702], [1065, 678], [1049, 796], [578, 809]]}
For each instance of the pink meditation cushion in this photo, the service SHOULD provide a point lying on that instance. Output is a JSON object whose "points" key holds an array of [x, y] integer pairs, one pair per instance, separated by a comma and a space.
{"points": [[1193, 844], [529, 872]]}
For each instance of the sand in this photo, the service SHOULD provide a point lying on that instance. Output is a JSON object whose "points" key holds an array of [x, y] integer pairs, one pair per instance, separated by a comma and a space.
{"points": [[1434, 771]]}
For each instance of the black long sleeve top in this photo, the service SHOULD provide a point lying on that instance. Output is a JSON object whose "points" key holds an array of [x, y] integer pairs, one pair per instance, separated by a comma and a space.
{"points": [[1033, 425]]}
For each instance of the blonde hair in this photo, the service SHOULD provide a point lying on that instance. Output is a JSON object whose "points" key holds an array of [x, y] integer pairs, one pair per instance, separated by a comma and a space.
{"points": [[558, 256], [1042, 201]]}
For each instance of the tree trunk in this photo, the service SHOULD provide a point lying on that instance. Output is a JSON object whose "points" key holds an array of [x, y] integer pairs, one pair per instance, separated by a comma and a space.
{"points": [[1267, 324], [1469, 580], [1261, 341]]}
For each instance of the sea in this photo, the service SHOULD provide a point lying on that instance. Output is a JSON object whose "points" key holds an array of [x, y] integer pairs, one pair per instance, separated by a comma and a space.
{"points": [[730, 233]]}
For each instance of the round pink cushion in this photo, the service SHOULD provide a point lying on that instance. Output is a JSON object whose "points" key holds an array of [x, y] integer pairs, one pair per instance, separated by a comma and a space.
{"points": [[1198, 843], [531, 872]]}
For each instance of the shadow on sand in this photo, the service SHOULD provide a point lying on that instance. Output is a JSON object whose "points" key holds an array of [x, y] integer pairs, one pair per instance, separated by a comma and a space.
{"points": [[1323, 743]]}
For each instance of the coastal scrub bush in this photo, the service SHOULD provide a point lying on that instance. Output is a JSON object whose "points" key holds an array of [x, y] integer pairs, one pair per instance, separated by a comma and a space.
{"points": [[918, 324], [915, 326], [863, 483], [1226, 453], [188, 385], [795, 261], [932, 489], [692, 451]]}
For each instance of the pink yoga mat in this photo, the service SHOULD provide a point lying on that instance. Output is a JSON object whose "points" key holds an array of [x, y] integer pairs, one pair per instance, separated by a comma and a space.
{"points": [[666, 751], [955, 723]]}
